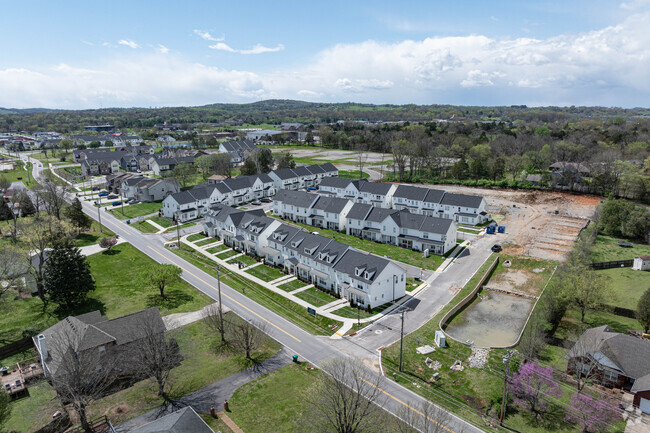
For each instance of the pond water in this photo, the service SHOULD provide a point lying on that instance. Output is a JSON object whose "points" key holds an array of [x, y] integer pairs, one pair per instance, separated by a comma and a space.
{"points": [[494, 321]]}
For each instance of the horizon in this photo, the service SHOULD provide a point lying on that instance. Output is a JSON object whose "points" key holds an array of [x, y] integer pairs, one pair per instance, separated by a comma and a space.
{"points": [[538, 54]]}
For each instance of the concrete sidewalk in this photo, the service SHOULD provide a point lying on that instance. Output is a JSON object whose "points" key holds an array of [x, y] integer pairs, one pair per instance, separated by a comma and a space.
{"points": [[212, 395]]}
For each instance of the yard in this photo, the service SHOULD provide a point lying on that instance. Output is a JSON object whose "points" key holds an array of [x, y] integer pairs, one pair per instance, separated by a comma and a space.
{"points": [[196, 237], [353, 174], [246, 260], [205, 361], [217, 249], [265, 273], [394, 252], [607, 249], [205, 242], [92, 236], [292, 285], [227, 254], [136, 210], [145, 227], [162, 221], [20, 174], [315, 297], [627, 286]]}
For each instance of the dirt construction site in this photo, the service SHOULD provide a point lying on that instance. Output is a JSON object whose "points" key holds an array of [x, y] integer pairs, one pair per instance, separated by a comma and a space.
{"points": [[540, 224]]}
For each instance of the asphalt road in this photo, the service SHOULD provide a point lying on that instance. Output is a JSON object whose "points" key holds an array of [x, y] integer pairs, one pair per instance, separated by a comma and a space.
{"points": [[314, 349]]}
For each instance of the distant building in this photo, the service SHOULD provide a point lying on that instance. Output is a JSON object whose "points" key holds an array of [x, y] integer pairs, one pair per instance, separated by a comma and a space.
{"points": [[99, 128], [641, 263]]}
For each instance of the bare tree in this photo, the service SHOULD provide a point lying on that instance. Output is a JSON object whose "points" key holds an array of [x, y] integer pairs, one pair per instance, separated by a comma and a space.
{"points": [[425, 418], [155, 355], [10, 270], [81, 376], [582, 355], [345, 398], [247, 337], [213, 317], [361, 157], [53, 198]]}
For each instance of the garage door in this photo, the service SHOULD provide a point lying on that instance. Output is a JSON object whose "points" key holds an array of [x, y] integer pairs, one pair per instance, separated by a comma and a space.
{"points": [[645, 405]]}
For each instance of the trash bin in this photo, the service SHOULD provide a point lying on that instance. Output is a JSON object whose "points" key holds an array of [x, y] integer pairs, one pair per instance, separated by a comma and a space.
{"points": [[128, 221], [295, 358]]}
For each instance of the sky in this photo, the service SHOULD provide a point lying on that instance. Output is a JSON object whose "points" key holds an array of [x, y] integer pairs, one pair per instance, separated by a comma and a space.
{"points": [[139, 53]]}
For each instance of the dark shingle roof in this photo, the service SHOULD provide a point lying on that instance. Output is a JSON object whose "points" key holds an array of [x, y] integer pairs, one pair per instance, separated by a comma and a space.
{"points": [[184, 420], [377, 188], [434, 196], [301, 171], [285, 173], [335, 182], [329, 167], [378, 214], [463, 200], [359, 211], [296, 198], [353, 259], [424, 223], [315, 169], [410, 192], [331, 204]]}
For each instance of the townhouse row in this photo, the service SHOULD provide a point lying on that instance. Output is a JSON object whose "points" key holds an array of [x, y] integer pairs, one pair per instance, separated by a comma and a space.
{"points": [[144, 189], [361, 278], [194, 203], [462, 208], [391, 226]]}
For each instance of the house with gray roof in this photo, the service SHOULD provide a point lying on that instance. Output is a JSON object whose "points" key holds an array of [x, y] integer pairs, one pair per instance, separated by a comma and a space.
{"points": [[160, 166], [330, 213], [293, 205], [462, 208], [376, 193], [285, 178], [334, 186], [191, 204], [94, 334], [147, 190], [614, 360], [184, 420]]}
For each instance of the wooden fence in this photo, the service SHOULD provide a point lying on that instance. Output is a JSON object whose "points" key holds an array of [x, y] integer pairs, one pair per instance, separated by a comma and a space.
{"points": [[613, 264], [16, 347]]}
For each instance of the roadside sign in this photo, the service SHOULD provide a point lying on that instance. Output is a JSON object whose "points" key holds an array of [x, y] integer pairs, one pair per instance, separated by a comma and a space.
{"points": [[311, 311]]}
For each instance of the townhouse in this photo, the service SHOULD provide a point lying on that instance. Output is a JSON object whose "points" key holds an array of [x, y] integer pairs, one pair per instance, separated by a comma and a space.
{"points": [[161, 165], [462, 208], [188, 205], [101, 163], [146, 190], [238, 150], [418, 232], [363, 279]]}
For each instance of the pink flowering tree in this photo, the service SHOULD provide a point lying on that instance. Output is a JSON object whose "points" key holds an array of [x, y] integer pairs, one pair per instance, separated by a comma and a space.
{"points": [[592, 414], [532, 387]]}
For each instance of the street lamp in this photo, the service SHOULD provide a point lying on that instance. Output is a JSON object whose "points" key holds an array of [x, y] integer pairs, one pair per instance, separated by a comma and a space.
{"points": [[401, 343], [178, 234], [218, 269]]}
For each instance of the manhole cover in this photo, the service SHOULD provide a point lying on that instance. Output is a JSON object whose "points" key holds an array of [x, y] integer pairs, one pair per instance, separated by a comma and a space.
{"points": [[378, 331]]}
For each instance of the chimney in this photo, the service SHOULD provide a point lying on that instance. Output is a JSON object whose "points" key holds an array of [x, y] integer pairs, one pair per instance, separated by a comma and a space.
{"points": [[42, 346]]}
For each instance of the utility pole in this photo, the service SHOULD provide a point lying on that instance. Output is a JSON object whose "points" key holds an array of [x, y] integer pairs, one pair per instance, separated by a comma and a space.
{"points": [[178, 234], [401, 344], [99, 214], [393, 289], [220, 307], [122, 202], [358, 319], [506, 361]]}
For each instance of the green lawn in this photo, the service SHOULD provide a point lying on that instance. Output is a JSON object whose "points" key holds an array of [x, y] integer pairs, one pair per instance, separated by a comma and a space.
{"points": [[247, 260], [352, 313], [217, 249], [20, 174], [196, 236], [278, 398], [394, 252], [292, 285], [205, 361], [627, 286], [606, 249], [92, 236], [145, 227], [466, 230], [227, 254], [162, 221], [171, 228], [412, 284], [279, 304], [52, 178], [353, 174], [205, 242], [265, 273], [30, 413], [315, 297], [136, 210]]}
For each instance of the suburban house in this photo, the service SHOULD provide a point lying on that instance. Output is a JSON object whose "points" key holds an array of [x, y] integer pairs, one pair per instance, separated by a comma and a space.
{"points": [[362, 278], [569, 172], [146, 190], [285, 178], [293, 205], [191, 204], [95, 335], [238, 150], [376, 193], [98, 164], [614, 360], [114, 181], [641, 263], [159, 166], [184, 420]]}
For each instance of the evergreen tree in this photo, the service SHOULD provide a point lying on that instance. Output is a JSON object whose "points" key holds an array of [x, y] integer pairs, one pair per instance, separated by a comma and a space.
{"points": [[249, 167], [5, 212], [643, 311], [26, 205], [67, 275], [77, 216], [286, 160]]}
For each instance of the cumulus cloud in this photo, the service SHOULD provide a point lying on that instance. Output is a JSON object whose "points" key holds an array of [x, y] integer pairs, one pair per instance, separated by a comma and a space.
{"points": [[257, 49], [128, 43], [162, 49], [601, 67]]}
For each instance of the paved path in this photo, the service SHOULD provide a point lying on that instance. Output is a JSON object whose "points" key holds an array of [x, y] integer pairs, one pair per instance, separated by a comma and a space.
{"points": [[212, 395], [176, 320]]}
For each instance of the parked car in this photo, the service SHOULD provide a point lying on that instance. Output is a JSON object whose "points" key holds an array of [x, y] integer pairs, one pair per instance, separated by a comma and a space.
{"points": [[496, 248], [266, 200], [257, 202], [95, 188], [311, 188], [112, 197], [116, 203], [103, 194]]}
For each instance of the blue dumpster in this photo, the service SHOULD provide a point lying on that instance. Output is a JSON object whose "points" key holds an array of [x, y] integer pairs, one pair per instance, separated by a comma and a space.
{"points": [[502, 229], [489, 230]]}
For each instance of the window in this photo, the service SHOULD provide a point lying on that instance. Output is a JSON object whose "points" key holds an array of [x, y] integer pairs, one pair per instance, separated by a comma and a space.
{"points": [[610, 375], [425, 235]]}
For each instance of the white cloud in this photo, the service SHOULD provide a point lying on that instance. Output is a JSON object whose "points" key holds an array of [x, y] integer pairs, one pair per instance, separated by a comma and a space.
{"points": [[477, 78], [207, 36], [162, 49], [128, 43], [257, 49]]}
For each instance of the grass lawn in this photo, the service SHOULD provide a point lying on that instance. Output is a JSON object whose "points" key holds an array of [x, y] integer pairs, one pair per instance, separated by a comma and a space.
{"points": [[20, 174], [412, 284], [136, 210], [352, 313], [292, 285], [32, 412], [52, 178], [171, 227], [205, 242], [278, 398], [93, 236], [247, 260], [394, 252], [463, 229], [227, 254], [315, 297], [162, 221], [606, 249], [318, 325], [196, 236], [217, 249], [627, 286], [353, 174], [145, 227], [266, 273]]}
